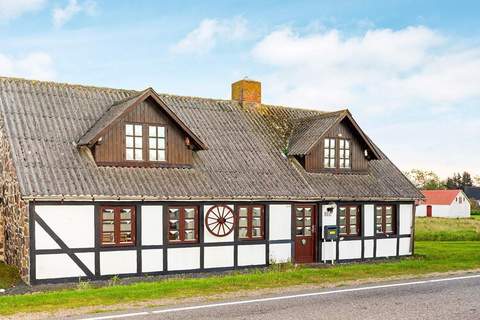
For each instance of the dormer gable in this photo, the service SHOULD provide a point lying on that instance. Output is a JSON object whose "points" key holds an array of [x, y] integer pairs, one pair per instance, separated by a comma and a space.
{"points": [[331, 142], [141, 130]]}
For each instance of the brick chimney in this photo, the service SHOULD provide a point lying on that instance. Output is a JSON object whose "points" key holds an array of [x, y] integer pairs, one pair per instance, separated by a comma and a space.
{"points": [[247, 90]]}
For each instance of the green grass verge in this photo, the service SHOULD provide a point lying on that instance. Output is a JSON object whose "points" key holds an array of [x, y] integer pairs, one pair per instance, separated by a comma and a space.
{"points": [[447, 229], [8, 276], [432, 257]]}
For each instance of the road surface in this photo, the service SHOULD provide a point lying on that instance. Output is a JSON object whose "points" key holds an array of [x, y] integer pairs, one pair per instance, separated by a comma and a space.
{"points": [[437, 298]]}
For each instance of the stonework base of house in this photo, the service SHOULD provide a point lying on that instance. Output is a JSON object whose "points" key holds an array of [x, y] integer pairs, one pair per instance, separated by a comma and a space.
{"points": [[14, 218]]}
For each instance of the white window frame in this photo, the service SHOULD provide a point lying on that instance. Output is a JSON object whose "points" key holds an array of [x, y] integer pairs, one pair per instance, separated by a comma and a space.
{"points": [[344, 153], [133, 138], [329, 153], [157, 143]]}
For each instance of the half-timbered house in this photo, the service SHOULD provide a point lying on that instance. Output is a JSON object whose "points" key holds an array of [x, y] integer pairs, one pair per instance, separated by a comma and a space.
{"points": [[99, 182]]}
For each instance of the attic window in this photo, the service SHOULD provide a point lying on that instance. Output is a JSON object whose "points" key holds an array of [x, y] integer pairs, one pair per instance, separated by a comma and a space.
{"points": [[133, 142], [329, 153], [344, 148], [156, 143]]}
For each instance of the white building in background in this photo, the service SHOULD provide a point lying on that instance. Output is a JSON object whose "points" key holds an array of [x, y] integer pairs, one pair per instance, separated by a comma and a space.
{"points": [[444, 204]]}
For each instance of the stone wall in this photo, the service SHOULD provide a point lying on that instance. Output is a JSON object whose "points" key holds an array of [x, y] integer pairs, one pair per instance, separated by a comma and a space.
{"points": [[14, 219]]}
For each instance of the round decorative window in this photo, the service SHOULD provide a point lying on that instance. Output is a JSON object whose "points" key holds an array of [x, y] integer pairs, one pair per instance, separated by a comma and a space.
{"points": [[220, 220]]}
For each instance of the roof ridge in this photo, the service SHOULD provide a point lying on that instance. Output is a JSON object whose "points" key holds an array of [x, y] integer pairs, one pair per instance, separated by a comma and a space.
{"points": [[322, 115], [83, 86], [130, 97], [57, 83], [114, 104]]}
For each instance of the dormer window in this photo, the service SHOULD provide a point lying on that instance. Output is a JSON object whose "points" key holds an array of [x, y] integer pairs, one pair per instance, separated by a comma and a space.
{"points": [[344, 153], [141, 131], [156, 143], [337, 153], [133, 142], [329, 153]]}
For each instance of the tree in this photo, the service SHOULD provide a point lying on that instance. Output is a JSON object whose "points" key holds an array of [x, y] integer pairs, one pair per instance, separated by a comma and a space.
{"points": [[424, 179], [459, 181], [477, 180], [451, 184], [466, 180]]}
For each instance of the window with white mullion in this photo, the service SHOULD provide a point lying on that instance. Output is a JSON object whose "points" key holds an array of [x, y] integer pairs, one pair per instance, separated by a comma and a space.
{"points": [[156, 143], [133, 142], [329, 153], [344, 153]]}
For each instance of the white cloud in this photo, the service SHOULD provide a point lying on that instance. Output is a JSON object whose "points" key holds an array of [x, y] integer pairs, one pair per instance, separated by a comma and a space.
{"points": [[382, 69], [205, 37], [416, 91], [11, 9], [36, 65], [62, 15]]}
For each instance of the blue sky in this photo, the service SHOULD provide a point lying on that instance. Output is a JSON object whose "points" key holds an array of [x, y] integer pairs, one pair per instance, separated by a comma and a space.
{"points": [[408, 70]]}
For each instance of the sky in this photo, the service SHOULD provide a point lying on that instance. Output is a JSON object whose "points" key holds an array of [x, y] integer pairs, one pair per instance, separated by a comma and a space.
{"points": [[409, 71]]}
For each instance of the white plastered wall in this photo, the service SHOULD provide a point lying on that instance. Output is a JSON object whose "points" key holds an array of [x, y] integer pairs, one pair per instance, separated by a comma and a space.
{"points": [[208, 237], [183, 258], [152, 225], [280, 252], [406, 216], [43, 239], [351, 249], [218, 257], [405, 247], [386, 247], [329, 251], [280, 222], [152, 260], [251, 255], [368, 250], [74, 225], [51, 266], [329, 218], [118, 262], [368, 220]]}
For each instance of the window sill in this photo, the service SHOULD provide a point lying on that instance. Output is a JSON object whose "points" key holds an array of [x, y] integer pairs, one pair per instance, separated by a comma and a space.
{"points": [[339, 171], [144, 164], [385, 236], [173, 242], [120, 245], [349, 237]]}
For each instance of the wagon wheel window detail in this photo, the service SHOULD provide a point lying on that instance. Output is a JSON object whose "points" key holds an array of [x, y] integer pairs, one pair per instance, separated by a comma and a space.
{"points": [[220, 220]]}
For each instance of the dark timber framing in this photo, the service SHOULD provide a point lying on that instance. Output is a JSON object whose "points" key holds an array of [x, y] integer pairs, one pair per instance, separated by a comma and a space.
{"points": [[138, 246]]}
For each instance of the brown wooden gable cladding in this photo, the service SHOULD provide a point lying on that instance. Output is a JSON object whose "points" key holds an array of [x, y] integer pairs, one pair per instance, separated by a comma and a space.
{"points": [[111, 151], [118, 109], [245, 159], [359, 163]]}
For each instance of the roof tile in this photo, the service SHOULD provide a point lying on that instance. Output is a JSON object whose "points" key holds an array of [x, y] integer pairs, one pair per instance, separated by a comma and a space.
{"points": [[245, 160]]}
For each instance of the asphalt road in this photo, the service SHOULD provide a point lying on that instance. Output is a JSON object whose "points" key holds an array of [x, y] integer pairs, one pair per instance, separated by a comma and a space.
{"points": [[437, 298]]}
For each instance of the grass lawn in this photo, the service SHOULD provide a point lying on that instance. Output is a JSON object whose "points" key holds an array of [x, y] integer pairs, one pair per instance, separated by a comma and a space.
{"points": [[475, 214], [447, 229], [8, 276], [431, 257]]}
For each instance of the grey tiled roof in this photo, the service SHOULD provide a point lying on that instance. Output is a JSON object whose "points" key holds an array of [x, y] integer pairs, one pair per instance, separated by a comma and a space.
{"points": [[245, 157], [114, 111], [307, 132], [473, 192]]}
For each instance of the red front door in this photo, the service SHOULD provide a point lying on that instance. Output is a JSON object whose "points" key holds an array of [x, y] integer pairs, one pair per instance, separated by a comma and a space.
{"points": [[429, 211], [305, 231]]}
